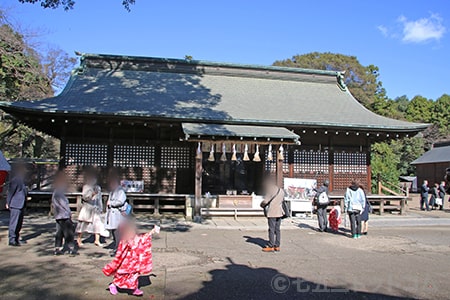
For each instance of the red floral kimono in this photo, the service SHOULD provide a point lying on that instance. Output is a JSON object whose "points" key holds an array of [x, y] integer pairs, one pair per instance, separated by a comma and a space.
{"points": [[133, 258], [334, 218]]}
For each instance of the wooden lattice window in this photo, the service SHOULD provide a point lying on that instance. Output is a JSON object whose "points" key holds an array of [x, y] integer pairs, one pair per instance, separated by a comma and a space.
{"points": [[347, 162], [311, 162], [271, 166], [86, 155], [176, 157], [134, 156]]}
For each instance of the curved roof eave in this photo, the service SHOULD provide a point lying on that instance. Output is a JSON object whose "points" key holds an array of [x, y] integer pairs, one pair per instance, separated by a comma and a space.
{"points": [[144, 117]]}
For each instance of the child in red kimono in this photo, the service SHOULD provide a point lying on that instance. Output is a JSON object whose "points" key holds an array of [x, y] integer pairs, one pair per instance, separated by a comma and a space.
{"points": [[133, 259], [334, 218]]}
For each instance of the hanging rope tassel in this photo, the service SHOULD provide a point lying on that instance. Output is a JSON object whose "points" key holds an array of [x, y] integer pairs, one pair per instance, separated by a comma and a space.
{"points": [[199, 151], [211, 153], [269, 154], [257, 158], [223, 157], [246, 158], [233, 157], [280, 153]]}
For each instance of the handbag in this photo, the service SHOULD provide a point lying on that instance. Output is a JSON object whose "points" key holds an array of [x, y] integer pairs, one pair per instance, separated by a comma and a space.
{"points": [[128, 209], [438, 201], [357, 207]]}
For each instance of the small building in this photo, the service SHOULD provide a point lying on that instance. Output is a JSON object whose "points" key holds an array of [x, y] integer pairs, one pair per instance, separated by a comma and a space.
{"points": [[432, 165], [186, 126]]}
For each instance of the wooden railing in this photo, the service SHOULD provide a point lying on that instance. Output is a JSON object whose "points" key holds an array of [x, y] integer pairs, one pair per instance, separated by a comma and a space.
{"points": [[391, 188], [154, 203]]}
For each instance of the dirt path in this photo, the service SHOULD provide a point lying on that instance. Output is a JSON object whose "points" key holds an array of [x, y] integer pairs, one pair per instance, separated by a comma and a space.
{"points": [[196, 263]]}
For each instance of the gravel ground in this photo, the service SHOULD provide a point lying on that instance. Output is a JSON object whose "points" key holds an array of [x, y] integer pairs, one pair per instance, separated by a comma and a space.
{"points": [[222, 259]]}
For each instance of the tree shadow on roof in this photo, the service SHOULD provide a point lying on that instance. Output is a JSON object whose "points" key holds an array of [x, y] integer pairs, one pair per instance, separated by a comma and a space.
{"points": [[122, 90]]}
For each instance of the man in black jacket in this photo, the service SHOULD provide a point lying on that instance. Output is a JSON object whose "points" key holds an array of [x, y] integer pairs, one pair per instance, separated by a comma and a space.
{"points": [[424, 189], [322, 193], [15, 202], [441, 194]]}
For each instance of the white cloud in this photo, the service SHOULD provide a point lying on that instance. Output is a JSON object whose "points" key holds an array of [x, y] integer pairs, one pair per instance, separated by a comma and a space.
{"points": [[383, 30], [422, 30]]}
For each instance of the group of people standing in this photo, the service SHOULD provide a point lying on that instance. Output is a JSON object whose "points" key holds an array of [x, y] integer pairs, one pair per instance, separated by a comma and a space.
{"points": [[91, 218], [355, 204], [131, 251], [432, 198]]}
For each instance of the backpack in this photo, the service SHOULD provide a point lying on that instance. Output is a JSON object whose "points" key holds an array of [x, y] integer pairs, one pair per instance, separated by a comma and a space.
{"points": [[323, 199]]}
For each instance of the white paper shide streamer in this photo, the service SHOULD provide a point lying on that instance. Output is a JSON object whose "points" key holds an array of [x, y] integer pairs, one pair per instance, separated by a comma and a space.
{"points": [[211, 153]]}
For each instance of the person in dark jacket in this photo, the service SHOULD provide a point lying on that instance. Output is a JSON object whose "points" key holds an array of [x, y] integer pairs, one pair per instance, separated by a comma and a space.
{"points": [[442, 194], [365, 214], [61, 211], [321, 208], [424, 189], [16, 202], [433, 192]]}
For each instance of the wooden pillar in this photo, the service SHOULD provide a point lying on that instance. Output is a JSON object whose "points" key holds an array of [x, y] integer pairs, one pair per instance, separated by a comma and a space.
{"points": [[110, 155], [279, 172], [369, 168], [381, 206], [62, 149], [290, 154], [198, 184], [330, 165]]}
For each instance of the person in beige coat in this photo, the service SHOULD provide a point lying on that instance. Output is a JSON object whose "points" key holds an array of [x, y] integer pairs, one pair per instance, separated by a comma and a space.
{"points": [[272, 205]]}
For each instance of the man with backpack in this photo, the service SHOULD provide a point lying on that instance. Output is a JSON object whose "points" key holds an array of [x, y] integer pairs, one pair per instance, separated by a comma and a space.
{"points": [[321, 201]]}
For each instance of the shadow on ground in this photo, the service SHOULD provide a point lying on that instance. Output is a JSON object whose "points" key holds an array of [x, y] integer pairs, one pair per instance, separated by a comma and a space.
{"points": [[38, 282], [238, 281]]}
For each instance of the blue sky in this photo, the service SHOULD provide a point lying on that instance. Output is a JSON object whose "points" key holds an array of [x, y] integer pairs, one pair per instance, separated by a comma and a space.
{"points": [[408, 40]]}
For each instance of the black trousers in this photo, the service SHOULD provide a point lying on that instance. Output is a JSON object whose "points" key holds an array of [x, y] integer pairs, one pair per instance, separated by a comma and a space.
{"points": [[66, 230], [355, 222], [432, 201], [116, 237], [322, 217], [424, 200], [274, 232], [15, 224]]}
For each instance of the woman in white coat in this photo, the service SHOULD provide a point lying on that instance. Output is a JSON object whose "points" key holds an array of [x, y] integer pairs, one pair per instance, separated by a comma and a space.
{"points": [[116, 205], [89, 219]]}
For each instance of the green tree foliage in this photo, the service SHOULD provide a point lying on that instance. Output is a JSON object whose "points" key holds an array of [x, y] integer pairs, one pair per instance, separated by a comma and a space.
{"points": [[441, 114], [21, 75], [69, 4], [361, 80], [419, 109], [24, 76], [407, 150], [384, 163]]}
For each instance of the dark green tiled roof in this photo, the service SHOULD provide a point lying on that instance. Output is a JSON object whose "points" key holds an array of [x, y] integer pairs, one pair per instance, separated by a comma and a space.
{"points": [[194, 91], [239, 131], [435, 155]]}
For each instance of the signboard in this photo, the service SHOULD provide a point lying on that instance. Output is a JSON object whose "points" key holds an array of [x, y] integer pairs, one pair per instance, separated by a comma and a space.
{"points": [[132, 186], [299, 189]]}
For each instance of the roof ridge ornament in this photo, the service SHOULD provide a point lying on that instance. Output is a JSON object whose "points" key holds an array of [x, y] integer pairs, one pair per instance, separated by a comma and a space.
{"points": [[341, 80]]}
